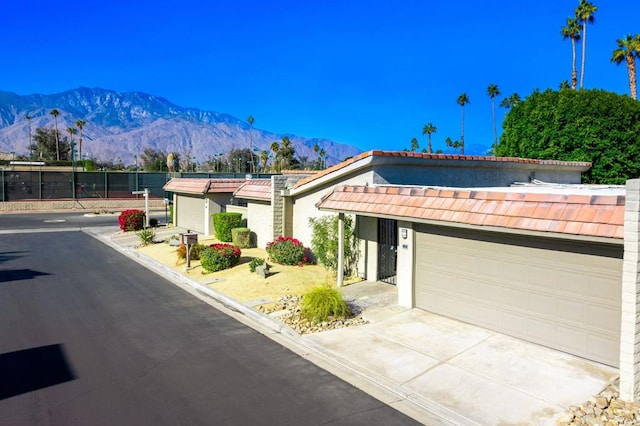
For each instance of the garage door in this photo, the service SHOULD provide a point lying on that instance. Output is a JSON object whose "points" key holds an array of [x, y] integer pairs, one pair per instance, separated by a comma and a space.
{"points": [[561, 294], [191, 213]]}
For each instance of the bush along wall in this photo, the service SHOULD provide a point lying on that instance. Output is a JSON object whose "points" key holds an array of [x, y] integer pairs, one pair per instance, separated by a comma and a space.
{"points": [[241, 237], [223, 223]]}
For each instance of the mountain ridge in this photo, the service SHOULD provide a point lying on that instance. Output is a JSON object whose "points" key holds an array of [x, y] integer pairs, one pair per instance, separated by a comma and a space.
{"points": [[122, 124]]}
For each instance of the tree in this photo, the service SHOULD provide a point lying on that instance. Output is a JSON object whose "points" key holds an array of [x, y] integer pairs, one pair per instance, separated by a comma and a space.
{"points": [[492, 92], [510, 101], [251, 120], [316, 148], [584, 13], [275, 148], [153, 160], [414, 145], [628, 50], [322, 154], [55, 114], [48, 147], [449, 143], [572, 31], [264, 157], [428, 129], [241, 160], [463, 100], [80, 125], [585, 125], [287, 153], [72, 131], [29, 118]]}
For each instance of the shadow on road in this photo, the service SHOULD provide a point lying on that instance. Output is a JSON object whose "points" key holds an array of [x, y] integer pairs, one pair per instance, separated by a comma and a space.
{"points": [[10, 255], [19, 274], [28, 370]]}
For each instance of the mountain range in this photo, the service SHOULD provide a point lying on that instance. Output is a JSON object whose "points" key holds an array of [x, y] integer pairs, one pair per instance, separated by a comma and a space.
{"points": [[121, 125]]}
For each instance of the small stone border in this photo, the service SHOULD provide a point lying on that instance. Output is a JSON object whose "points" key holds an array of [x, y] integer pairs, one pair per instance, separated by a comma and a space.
{"points": [[287, 311]]}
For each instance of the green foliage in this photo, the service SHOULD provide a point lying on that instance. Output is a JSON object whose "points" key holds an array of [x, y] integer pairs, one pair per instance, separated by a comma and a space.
{"points": [[255, 262], [131, 220], [241, 237], [44, 145], [223, 223], [171, 213], [153, 160], [287, 251], [147, 236], [585, 125], [194, 252], [89, 166], [324, 302], [217, 257], [324, 243]]}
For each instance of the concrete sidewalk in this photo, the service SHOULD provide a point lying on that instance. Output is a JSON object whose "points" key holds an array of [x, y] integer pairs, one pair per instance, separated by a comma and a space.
{"points": [[437, 370]]}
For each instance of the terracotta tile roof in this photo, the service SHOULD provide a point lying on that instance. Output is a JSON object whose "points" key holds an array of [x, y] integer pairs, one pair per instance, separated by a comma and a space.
{"points": [[255, 189], [202, 186], [578, 214], [419, 155]]}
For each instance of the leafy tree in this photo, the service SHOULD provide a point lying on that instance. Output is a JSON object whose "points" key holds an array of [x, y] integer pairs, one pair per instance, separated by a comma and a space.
{"points": [[414, 145], [572, 31], [324, 243], [628, 50], [463, 100], [428, 129], [240, 160], [55, 114], [586, 125], [48, 147], [492, 92], [153, 160], [584, 13]]}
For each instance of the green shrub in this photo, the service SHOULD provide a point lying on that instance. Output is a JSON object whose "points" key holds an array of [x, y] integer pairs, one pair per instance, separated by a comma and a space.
{"points": [[287, 251], [241, 237], [171, 213], [324, 243], [194, 252], [223, 223], [255, 262], [147, 236], [131, 220], [324, 302], [217, 257]]}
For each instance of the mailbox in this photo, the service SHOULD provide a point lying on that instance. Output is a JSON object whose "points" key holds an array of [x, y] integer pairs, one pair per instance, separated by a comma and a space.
{"points": [[189, 238]]}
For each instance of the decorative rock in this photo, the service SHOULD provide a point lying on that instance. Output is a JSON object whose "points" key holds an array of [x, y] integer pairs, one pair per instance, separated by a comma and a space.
{"points": [[262, 270]]}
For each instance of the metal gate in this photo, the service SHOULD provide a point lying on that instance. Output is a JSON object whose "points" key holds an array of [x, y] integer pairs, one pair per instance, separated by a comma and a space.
{"points": [[387, 250]]}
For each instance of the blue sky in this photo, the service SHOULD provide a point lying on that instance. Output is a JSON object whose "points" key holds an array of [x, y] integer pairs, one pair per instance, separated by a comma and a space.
{"points": [[370, 74]]}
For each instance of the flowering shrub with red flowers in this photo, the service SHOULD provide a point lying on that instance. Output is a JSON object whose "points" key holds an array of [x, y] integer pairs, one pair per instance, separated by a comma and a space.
{"points": [[132, 220], [288, 251], [219, 256]]}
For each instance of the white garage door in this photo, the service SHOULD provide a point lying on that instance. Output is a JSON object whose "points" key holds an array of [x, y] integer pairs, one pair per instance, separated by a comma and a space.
{"points": [[561, 294], [191, 213]]}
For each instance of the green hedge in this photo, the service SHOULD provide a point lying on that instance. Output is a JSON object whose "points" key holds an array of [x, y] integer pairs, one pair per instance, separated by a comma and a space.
{"points": [[241, 237], [223, 223]]}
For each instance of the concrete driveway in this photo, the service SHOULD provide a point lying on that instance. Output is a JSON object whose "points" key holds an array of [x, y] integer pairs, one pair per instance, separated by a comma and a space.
{"points": [[463, 373]]}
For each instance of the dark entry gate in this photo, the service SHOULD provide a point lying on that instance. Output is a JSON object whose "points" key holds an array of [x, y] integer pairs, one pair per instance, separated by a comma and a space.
{"points": [[387, 250]]}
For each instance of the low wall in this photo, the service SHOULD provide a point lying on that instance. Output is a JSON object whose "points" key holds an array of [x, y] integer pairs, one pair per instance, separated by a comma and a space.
{"points": [[89, 205]]}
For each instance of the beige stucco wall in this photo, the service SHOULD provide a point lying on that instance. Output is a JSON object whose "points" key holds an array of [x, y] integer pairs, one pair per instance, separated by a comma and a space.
{"points": [[260, 221], [367, 230], [405, 264]]}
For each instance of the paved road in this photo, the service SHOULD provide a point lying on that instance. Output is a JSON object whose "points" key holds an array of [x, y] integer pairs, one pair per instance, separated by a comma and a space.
{"points": [[53, 221], [88, 337]]}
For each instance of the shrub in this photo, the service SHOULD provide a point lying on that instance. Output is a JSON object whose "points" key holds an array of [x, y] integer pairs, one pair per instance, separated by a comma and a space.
{"points": [[223, 223], [324, 242], [153, 222], [255, 262], [147, 236], [194, 252], [324, 302], [170, 213], [241, 237], [131, 220], [217, 257], [287, 251]]}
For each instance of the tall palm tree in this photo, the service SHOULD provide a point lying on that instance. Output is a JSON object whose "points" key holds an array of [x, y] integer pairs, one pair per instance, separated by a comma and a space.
{"points": [[28, 117], [322, 153], [449, 143], [251, 120], [55, 114], [428, 129], [72, 131], [572, 31], [275, 148], [492, 92], [584, 13], [316, 148], [628, 50], [463, 100], [510, 101], [414, 144], [80, 125], [264, 157]]}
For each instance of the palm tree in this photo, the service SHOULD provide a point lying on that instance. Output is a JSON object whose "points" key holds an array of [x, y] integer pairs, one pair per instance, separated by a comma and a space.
{"points": [[572, 32], [492, 92], [449, 143], [72, 131], [511, 101], [80, 125], [414, 144], [584, 13], [316, 148], [55, 114], [428, 129], [28, 117], [264, 157], [275, 148], [251, 120], [628, 50], [463, 100], [322, 155]]}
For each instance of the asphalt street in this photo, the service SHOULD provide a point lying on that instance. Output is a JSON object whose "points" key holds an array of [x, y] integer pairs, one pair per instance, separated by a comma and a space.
{"points": [[89, 337], [60, 220]]}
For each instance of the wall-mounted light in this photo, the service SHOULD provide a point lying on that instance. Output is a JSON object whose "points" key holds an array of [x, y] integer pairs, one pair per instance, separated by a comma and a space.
{"points": [[403, 232]]}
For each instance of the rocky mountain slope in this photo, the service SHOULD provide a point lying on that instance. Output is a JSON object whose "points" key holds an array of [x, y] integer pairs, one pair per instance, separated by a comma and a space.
{"points": [[122, 125]]}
